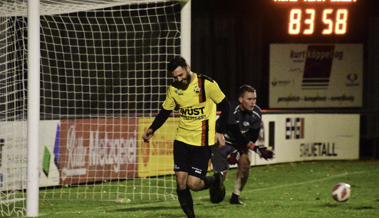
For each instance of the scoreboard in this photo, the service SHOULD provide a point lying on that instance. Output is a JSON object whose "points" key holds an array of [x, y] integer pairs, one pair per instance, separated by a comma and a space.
{"points": [[316, 52], [316, 20]]}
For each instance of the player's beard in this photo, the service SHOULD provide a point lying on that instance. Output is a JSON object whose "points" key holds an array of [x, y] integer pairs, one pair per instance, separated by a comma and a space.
{"points": [[187, 80]]}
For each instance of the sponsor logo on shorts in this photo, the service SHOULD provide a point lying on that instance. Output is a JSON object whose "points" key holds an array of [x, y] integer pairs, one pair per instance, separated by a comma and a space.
{"points": [[197, 170]]}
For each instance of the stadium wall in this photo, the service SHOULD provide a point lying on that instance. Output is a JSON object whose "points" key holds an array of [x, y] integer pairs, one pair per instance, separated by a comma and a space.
{"points": [[91, 150]]}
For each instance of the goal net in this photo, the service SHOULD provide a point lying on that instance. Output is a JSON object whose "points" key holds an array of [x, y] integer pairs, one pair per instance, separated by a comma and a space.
{"points": [[103, 79]]}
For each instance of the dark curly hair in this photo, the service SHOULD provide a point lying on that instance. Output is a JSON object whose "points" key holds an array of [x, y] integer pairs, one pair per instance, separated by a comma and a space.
{"points": [[175, 63]]}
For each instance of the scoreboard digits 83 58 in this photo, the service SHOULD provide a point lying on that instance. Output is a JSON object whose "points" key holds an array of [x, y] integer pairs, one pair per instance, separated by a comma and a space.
{"points": [[315, 18]]}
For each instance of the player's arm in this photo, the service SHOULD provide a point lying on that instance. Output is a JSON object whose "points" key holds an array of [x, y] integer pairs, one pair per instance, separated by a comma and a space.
{"points": [[242, 144], [167, 107], [159, 120], [223, 104], [253, 134], [248, 140], [235, 132], [224, 107]]}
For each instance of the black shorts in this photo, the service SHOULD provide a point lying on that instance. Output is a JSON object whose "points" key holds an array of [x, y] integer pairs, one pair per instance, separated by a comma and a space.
{"points": [[191, 159]]}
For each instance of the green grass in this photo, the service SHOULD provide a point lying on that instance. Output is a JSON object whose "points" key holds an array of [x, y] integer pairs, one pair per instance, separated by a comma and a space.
{"points": [[301, 189]]}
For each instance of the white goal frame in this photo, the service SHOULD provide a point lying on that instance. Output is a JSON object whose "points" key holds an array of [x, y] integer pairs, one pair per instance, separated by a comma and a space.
{"points": [[32, 199]]}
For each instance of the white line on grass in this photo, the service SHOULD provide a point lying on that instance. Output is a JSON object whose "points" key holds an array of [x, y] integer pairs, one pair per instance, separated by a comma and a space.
{"points": [[161, 203], [306, 182]]}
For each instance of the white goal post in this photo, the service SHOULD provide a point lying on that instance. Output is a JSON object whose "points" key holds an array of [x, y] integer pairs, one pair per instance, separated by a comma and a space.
{"points": [[80, 80]]}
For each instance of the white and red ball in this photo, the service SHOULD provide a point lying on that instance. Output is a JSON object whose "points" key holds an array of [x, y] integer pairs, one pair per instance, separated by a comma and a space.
{"points": [[341, 192]]}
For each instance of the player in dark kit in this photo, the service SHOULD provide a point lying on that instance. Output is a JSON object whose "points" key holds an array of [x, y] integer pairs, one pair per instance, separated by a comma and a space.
{"points": [[197, 97], [241, 133]]}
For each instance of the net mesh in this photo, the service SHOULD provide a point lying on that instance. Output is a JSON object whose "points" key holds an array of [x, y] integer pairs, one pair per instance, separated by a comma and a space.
{"points": [[103, 78]]}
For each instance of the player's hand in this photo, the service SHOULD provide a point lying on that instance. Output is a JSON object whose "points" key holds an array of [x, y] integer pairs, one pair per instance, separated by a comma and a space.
{"points": [[263, 152], [147, 135], [220, 139], [232, 159]]}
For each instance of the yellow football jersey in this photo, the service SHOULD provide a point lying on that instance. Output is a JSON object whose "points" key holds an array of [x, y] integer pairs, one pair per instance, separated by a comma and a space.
{"points": [[197, 108]]}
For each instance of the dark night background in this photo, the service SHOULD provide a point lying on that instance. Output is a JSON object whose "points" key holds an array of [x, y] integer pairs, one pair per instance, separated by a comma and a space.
{"points": [[230, 43], [112, 62]]}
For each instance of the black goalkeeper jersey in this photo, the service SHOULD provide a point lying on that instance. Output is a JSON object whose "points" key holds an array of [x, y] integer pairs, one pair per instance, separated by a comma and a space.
{"points": [[249, 124]]}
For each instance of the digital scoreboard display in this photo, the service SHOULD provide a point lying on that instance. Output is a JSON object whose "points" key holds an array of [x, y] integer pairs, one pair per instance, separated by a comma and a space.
{"points": [[316, 52], [315, 20]]}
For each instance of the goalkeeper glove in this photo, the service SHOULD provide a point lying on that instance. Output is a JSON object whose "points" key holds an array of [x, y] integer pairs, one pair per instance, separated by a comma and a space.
{"points": [[232, 159], [262, 151]]}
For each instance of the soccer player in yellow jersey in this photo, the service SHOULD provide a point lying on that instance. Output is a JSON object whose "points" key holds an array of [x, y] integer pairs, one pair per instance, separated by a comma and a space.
{"points": [[197, 97]]}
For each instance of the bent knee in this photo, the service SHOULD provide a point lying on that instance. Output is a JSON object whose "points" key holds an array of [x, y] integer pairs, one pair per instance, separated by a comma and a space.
{"points": [[195, 187], [244, 167], [195, 184]]}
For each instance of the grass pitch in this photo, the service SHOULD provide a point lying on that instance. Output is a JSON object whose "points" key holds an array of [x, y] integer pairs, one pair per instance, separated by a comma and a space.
{"points": [[301, 189]]}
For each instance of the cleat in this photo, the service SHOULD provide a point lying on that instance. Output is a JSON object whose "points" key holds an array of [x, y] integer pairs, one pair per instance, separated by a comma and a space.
{"points": [[217, 190], [235, 199]]}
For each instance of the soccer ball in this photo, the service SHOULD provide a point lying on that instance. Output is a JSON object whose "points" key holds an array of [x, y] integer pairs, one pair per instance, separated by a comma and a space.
{"points": [[341, 192]]}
